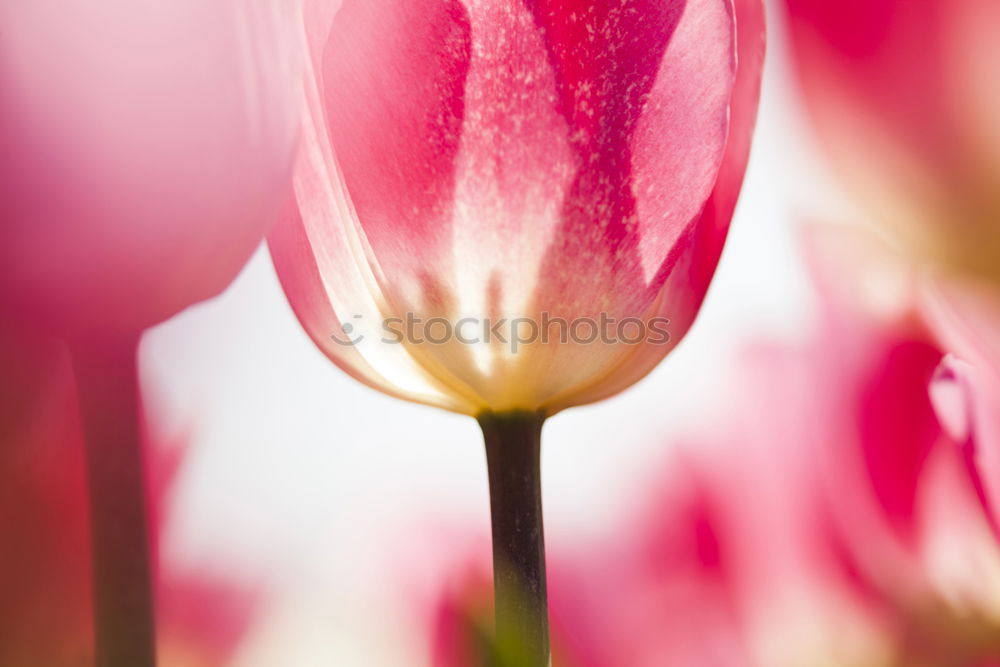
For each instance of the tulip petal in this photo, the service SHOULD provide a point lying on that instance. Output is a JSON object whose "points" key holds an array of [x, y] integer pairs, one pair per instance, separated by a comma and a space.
{"points": [[393, 77], [654, 100], [147, 146], [339, 309], [688, 279]]}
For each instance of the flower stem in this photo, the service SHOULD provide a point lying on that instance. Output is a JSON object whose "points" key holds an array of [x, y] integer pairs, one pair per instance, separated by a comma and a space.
{"points": [[107, 384], [513, 445]]}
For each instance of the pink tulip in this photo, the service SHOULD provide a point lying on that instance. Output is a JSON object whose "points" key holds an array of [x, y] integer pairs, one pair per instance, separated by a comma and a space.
{"points": [[903, 466], [905, 97], [146, 151], [495, 161], [502, 207]]}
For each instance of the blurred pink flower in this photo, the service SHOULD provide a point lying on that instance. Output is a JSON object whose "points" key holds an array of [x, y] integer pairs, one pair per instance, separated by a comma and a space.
{"points": [[147, 147], [902, 486], [908, 469], [966, 320], [905, 97], [500, 160], [45, 573]]}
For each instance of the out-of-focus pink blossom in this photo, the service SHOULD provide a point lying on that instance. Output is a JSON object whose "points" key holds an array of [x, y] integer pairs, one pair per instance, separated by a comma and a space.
{"points": [[146, 148], [500, 160], [966, 319], [45, 573], [902, 485], [905, 97]]}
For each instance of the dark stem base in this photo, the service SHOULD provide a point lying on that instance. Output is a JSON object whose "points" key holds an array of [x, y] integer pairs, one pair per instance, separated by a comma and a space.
{"points": [[513, 460], [108, 391]]}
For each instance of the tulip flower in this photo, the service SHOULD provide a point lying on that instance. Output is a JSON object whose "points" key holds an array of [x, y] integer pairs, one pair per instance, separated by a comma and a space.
{"points": [[903, 470], [507, 209], [45, 574], [904, 98], [146, 149]]}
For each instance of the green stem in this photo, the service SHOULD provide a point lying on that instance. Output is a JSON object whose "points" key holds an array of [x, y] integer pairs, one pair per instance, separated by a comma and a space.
{"points": [[513, 446], [107, 384]]}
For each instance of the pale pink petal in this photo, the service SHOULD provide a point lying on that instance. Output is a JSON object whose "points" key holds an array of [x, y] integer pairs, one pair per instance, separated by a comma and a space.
{"points": [[297, 265], [147, 147]]}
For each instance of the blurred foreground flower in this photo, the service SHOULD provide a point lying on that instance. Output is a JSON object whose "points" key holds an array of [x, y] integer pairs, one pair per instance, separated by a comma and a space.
{"points": [[147, 147], [905, 97], [45, 575], [844, 517], [493, 196]]}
